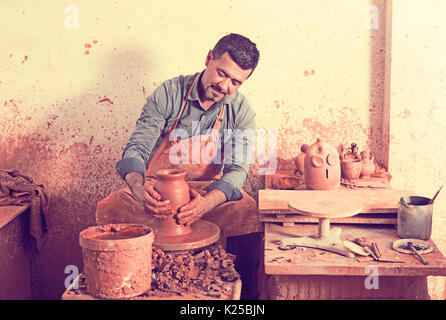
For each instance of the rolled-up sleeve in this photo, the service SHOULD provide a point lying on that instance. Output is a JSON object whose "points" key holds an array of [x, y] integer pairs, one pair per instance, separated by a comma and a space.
{"points": [[238, 148], [140, 146]]}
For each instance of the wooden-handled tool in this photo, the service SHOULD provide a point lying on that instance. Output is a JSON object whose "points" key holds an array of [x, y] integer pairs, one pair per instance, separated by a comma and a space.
{"points": [[433, 199], [417, 253]]}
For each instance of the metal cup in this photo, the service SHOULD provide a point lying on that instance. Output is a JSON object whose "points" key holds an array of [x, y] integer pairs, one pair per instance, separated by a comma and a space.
{"points": [[415, 218]]}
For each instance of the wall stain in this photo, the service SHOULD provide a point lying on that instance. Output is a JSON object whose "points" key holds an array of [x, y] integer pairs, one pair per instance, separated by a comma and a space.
{"points": [[337, 128], [105, 99], [311, 72]]}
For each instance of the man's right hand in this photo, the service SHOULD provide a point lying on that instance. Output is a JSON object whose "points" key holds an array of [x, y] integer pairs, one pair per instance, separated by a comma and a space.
{"points": [[147, 196]]}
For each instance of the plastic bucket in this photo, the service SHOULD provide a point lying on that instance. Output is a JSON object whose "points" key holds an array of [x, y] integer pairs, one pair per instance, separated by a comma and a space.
{"points": [[117, 260], [414, 218]]}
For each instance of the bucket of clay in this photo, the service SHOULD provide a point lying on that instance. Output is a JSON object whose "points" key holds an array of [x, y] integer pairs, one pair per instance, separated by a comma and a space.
{"points": [[117, 260], [414, 218]]}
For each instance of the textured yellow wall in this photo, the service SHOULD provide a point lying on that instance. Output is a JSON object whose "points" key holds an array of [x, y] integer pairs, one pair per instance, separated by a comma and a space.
{"points": [[314, 77], [70, 92], [417, 152]]}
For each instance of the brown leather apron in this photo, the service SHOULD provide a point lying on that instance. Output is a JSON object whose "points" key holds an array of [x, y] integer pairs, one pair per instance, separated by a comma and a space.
{"points": [[233, 217]]}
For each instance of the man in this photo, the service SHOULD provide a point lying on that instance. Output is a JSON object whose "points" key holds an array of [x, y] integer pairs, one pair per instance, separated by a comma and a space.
{"points": [[179, 111]]}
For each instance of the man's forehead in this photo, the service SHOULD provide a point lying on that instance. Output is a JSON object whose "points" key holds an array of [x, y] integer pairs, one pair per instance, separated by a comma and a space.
{"points": [[229, 66]]}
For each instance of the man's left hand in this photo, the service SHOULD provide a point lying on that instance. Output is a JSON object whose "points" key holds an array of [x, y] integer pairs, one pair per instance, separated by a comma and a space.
{"points": [[192, 211]]}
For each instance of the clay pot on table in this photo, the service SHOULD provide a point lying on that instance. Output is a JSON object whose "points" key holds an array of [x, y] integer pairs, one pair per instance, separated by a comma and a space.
{"points": [[172, 186], [350, 153], [368, 164], [299, 161], [321, 167], [351, 169], [117, 260]]}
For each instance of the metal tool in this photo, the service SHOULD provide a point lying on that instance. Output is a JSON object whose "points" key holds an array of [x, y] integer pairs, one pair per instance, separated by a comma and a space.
{"points": [[416, 253], [413, 246], [372, 251], [433, 199]]}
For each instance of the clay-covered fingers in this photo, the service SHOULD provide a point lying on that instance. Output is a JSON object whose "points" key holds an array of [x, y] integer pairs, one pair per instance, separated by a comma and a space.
{"points": [[152, 192], [144, 195], [158, 209], [187, 217], [188, 213], [154, 203], [195, 196]]}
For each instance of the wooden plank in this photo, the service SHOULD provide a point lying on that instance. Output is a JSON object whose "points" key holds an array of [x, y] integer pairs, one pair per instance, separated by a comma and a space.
{"points": [[369, 218], [321, 287], [288, 179], [373, 200], [309, 261], [8, 213], [80, 293]]}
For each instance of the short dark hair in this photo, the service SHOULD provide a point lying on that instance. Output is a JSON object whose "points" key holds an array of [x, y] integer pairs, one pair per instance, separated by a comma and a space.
{"points": [[242, 50]]}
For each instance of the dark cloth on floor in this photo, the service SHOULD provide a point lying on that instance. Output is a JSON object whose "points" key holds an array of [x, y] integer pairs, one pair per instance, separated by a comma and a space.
{"points": [[20, 190]]}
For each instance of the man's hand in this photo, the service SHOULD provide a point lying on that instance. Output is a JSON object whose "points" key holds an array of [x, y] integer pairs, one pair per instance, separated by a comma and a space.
{"points": [[190, 212], [147, 197], [199, 206]]}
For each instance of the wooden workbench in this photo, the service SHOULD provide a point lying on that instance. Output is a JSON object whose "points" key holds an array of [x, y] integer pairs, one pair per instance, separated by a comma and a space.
{"points": [[8, 213], [15, 275], [313, 274], [80, 293], [308, 261], [308, 273]]}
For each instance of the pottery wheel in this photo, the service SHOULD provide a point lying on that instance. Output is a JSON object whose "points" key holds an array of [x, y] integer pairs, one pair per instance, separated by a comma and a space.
{"points": [[203, 233], [327, 208], [324, 209]]}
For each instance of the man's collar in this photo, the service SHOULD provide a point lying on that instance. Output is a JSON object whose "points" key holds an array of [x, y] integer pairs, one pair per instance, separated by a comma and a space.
{"points": [[194, 93]]}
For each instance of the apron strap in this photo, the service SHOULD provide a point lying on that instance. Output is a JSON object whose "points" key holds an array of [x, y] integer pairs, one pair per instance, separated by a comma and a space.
{"points": [[165, 141], [219, 119], [184, 104], [217, 124]]}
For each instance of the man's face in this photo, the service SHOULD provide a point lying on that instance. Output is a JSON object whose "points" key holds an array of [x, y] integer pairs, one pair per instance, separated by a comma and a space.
{"points": [[222, 77]]}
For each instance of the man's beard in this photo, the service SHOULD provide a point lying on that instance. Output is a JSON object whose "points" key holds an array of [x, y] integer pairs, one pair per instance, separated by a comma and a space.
{"points": [[219, 97]]}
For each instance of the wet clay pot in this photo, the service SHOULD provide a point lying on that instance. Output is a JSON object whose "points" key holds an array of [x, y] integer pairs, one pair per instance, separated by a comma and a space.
{"points": [[321, 167], [299, 161], [351, 169], [117, 260], [172, 186]]}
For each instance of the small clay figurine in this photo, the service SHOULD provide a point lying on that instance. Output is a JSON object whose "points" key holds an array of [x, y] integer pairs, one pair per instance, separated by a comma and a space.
{"points": [[368, 164], [299, 160], [350, 153]]}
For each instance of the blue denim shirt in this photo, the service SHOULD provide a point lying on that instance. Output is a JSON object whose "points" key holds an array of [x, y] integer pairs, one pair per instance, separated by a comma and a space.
{"points": [[162, 108]]}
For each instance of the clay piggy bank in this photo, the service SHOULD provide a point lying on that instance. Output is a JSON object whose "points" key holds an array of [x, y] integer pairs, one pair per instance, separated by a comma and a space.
{"points": [[322, 169]]}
